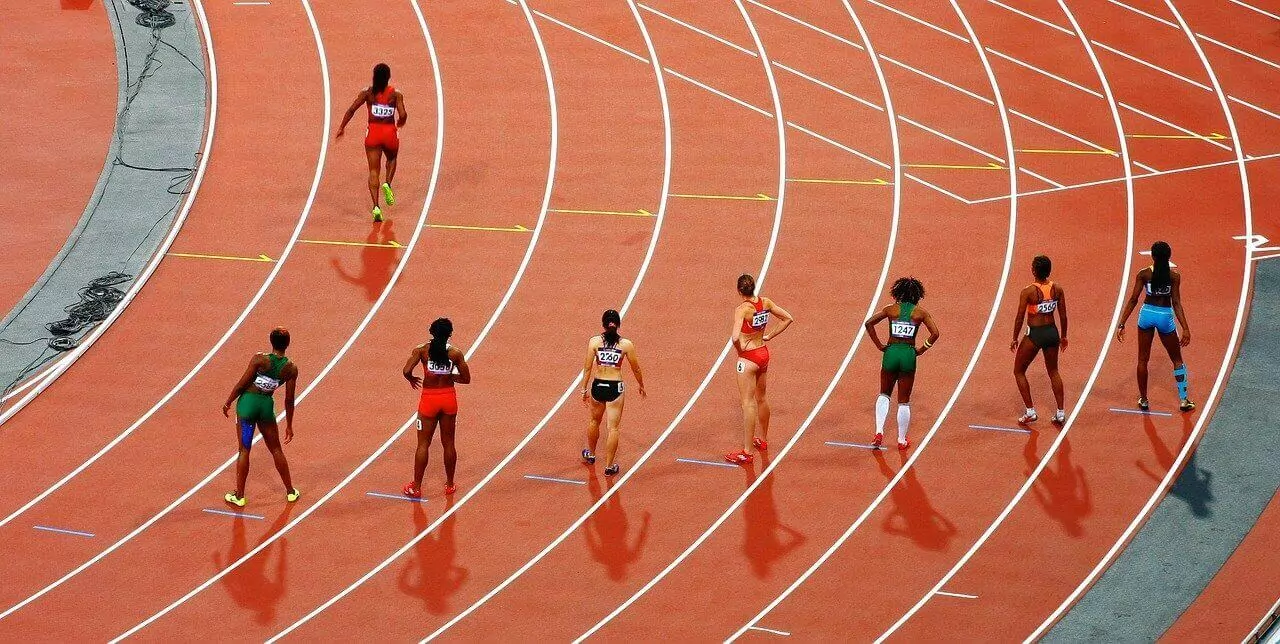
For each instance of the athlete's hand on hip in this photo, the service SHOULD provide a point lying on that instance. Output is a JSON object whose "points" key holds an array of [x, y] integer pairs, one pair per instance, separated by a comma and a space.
{"points": [[1186, 337], [288, 433], [226, 410], [1013, 346], [414, 381]]}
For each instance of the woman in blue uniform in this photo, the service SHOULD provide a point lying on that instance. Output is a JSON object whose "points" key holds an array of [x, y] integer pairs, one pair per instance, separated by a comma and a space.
{"points": [[1161, 282]]}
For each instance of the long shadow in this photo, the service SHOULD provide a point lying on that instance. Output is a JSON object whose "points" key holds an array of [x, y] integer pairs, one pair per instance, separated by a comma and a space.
{"points": [[376, 262], [606, 533], [1194, 484], [431, 574], [912, 515], [766, 540], [1062, 489], [250, 585]]}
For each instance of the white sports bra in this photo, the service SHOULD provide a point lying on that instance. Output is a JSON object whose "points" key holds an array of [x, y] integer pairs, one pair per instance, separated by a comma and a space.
{"points": [[439, 369]]}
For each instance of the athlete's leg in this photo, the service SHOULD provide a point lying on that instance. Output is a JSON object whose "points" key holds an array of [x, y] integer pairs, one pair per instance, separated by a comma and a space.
{"points": [[1171, 345], [596, 409], [747, 372], [426, 431], [887, 380], [448, 423], [391, 164], [613, 414], [762, 405], [1027, 351], [375, 167], [244, 437], [1055, 378], [271, 437], [1145, 336], [906, 381]]}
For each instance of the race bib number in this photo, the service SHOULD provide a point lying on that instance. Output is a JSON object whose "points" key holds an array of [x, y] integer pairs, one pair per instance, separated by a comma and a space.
{"points": [[760, 320], [1046, 307], [440, 368], [609, 357], [741, 367], [382, 111], [900, 329], [265, 383]]}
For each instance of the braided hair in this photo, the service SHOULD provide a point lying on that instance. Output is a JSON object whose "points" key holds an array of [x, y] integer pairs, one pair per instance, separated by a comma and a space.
{"points": [[907, 289], [438, 349]]}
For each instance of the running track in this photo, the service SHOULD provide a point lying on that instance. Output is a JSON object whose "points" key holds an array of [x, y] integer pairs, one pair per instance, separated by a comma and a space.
{"points": [[562, 108]]}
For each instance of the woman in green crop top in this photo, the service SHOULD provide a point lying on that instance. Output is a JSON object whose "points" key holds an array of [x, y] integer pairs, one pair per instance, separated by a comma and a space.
{"points": [[898, 366], [255, 407]]}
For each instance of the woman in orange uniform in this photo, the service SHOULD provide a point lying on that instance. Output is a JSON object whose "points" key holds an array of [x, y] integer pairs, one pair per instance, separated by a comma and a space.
{"points": [[443, 365], [386, 114], [1036, 306], [749, 337]]}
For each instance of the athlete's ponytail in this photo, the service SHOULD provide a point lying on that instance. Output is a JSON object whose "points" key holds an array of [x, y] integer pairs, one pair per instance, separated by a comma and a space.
{"points": [[438, 349], [611, 321], [381, 78], [1160, 254]]}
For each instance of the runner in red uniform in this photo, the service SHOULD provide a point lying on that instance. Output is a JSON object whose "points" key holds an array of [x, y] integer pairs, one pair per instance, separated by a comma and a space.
{"points": [[749, 337], [386, 113], [442, 365]]}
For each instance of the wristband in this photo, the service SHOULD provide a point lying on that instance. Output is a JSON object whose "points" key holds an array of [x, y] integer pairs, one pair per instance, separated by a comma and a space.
{"points": [[927, 344]]}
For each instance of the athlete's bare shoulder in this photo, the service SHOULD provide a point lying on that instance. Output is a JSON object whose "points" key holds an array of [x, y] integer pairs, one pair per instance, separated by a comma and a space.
{"points": [[595, 342], [626, 345]]}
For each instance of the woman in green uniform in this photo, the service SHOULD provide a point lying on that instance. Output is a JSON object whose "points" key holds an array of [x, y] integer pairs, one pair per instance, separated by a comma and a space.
{"points": [[255, 407], [898, 364]]}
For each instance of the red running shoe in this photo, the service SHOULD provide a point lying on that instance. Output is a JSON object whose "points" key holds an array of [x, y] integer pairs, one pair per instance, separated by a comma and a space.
{"points": [[903, 445], [878, 440], [450, 489], [760, 443], [412, 491], [741, 457]]}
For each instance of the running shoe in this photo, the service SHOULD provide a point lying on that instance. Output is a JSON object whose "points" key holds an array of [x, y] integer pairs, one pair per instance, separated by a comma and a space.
{"points": [[740, 457], [1059, 418], [377, 214], [760, 443], [588, 457], [412, 491], [238, 501], [388, 195], [612, 469], [1029, 417], [1186, 406], [904, 444], [878, 440], [449, 489], [1143, 405], [292, 495]]}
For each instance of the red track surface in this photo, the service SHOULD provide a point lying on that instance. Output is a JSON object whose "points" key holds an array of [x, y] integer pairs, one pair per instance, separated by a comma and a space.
{"points": [[533, 559]]}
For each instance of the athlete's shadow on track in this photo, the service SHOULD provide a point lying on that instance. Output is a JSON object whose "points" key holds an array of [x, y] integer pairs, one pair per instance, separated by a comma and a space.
{"points": [[1193, 484], [606, 533], [376, 262], [767, 540], [912, 515], [249, 585], [431, 575], [1064, 492]]}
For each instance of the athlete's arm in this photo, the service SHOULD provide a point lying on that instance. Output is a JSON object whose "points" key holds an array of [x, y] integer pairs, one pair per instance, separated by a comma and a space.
{"points": [[290, 387], [934, 333], [460, 361], [403, 115], [870, 326], [782, 313], [586, 369], [635, 366], [736, 335], [1175, 296], [1129, 305], [415, 358], [361, 98], [1023, 298], [243, 384], [1062, 313]]}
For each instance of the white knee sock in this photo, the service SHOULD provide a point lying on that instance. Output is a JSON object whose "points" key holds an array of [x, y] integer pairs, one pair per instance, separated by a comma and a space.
{"points": [[882, 412], [904, 419]]}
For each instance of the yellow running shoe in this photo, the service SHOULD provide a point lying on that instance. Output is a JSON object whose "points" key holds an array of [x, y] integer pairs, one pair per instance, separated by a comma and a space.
{"points": [[377, 214], [237, 501], [388, 195], [292, 495]]}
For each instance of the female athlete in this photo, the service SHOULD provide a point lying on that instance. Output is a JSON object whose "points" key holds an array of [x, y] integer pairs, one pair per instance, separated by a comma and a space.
{"points": [[386, 113], [899, 362], [443, 365], [749, 337], [255, 407], [1036, 305], [605, 394], [1162, 284]]}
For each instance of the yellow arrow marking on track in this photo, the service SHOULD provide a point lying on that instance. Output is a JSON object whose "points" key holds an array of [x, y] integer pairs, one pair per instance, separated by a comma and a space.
{"points": [[639, 212], [1212, 136], [499, 229], [759, 196], [234, 258], [390, 244], [1055, 151], [852, 182], [990, 166]]}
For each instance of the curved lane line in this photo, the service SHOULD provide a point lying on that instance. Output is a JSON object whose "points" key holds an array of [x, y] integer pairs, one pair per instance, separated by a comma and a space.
{"points": [[45, 379], [973, 360], [1106, 346], [324, 146], [764, 269], [1223, 371], [840, 371]]}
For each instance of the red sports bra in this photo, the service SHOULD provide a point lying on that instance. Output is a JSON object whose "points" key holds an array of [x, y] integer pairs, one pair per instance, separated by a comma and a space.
{"points": [[758, 320], [381, 107]]}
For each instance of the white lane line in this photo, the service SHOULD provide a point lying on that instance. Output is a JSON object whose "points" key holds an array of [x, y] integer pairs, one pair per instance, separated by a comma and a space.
{"points": [[972, 148], [940, 81], [1051, 25], [808, 25], [1229, 354], [697, 461], [771, 631], [827, 85], [995, 428], [724, 41], [396, 497], [1203, 37], [1254, 107], [1042, 178], [626, 306], [584, 34], [58, 368], [717, 92], [879, 448], [238, 515], [715, 367], [959, 595], [1139, 412], [77, 533], [554, 479], [1102, 354], [1253, 8], [918, 21], [1153, 66]]}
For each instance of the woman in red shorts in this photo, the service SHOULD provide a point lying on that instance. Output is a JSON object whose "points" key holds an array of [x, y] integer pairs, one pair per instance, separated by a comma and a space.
{"points": [[749, 338], [442, 365], [386, 113]]}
